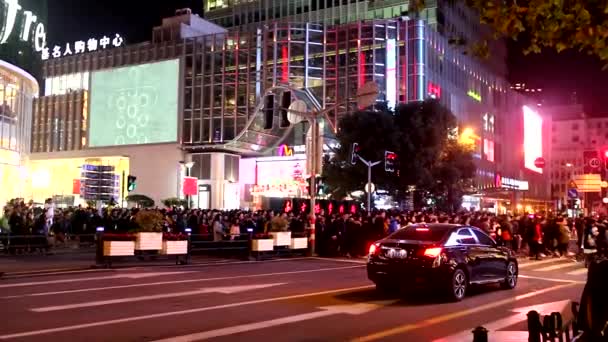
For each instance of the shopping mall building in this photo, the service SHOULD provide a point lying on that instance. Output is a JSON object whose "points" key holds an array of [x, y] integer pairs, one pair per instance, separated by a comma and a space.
{"points": [[190, 102]]}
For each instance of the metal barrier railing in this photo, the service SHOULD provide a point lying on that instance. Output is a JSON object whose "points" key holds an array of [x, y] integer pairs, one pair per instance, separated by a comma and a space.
{"points": [[12, 244]]}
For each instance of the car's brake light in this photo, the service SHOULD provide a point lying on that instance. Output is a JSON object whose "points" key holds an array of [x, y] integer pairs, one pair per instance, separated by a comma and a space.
{"points": [[432, 252], [422, 229], [373, 249]]}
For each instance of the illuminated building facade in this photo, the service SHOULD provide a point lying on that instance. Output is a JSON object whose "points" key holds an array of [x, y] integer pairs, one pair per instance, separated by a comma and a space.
{"points": [[223, 74], [17, 92]]}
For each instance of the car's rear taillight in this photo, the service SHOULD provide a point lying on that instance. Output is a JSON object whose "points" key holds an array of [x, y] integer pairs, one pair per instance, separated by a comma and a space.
{"points": [[432, 252], [373, 249]]}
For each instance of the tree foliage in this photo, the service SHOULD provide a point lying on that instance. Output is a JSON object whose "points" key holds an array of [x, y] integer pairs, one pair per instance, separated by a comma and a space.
{"points": [[141, 200], [556, 24], [420, 134], [374, 132]]}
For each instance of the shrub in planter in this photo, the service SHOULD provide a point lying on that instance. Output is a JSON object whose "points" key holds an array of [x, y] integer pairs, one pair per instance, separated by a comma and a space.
{"points": [[262, 243], [149, 221], [174, 237]]}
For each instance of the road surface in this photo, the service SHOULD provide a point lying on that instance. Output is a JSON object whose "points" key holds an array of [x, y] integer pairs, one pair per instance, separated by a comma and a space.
{"points": [[300, 299]]}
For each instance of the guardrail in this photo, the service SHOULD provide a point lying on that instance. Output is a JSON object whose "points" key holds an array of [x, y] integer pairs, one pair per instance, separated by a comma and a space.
{"points": [[12, 244]]}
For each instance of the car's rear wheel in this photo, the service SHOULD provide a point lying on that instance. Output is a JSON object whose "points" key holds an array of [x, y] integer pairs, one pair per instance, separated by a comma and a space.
{"points": [[459, 285], [511, 278]]}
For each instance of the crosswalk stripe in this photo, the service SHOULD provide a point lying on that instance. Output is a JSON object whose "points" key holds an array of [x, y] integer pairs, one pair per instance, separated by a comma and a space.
{"points": [[556, 267], [578, 272], [537, 262]]}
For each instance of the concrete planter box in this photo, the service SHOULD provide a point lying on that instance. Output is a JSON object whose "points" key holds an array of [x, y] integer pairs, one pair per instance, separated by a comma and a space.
{"points": [[299, 243], [175, 247], [149, 241], [281, 238], [262, 245], [118, 248]]}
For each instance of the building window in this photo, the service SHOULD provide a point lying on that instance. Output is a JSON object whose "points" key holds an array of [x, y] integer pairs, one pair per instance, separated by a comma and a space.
{"points": [[575, 139]]}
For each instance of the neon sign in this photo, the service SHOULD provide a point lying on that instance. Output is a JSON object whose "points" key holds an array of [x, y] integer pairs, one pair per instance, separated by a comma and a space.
{"points": [[11, 9], [285, 151], [434, 90], [474, 95], [391, 73], [92, 44]]}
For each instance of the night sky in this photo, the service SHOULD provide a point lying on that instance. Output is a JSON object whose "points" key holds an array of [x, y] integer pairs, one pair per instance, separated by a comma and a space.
{"points": [[558, 74]]}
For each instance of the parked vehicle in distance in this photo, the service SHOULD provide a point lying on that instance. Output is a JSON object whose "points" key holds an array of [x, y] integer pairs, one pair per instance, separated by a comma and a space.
{"points": [[446, 257]]}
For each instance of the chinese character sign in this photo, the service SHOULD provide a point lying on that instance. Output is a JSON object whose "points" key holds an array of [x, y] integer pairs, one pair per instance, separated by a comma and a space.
{"points": [[82, 46]]}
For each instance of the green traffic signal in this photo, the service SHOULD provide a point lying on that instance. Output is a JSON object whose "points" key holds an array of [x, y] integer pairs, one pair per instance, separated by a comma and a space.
{"points": [[131, 184]]}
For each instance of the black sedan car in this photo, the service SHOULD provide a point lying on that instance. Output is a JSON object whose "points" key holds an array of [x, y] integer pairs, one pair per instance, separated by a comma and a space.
{"points": [[447, 257]]}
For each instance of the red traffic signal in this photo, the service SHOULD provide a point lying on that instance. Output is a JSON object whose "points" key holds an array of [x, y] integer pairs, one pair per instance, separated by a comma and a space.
{"points": [[390, 159]]}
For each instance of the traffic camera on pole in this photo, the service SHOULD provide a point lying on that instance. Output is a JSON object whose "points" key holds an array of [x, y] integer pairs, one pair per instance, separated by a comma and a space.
{"points": [[354, 153], [284, 110], [390, 159], [268, 111]]}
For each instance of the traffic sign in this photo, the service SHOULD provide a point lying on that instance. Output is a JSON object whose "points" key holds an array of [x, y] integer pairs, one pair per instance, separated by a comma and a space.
{"points": [[572, 193], [539, 162], [595, 163]]}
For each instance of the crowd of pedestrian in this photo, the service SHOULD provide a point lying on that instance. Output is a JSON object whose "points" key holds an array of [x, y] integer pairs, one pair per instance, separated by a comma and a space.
{"points": [[337, 234]]}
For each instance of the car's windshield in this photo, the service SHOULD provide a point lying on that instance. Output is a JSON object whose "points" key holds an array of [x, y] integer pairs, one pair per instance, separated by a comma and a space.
{"points": [[414, 232]]}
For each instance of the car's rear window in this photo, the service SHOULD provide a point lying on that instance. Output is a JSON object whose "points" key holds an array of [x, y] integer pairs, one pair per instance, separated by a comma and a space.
{"points": [[421, 234]]}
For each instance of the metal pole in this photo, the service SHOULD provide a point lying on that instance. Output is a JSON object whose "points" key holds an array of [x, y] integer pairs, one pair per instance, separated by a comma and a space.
{"points": [[122, 190], [313, 180], [369, 190]]}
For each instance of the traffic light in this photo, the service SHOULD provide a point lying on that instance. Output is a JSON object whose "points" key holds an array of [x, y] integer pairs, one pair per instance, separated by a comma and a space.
{"points": [[354, 153], [390, 160], [268, 111], [285, 103], [131, 184]]}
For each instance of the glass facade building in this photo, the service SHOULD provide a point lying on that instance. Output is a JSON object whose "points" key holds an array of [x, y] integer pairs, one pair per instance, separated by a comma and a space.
{"points": [[225, 74], [17, 92]]}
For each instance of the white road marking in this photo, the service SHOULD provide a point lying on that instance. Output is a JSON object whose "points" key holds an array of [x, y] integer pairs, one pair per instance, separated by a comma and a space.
{"points": [[557, 280], [51, 293], [117, 276], [578, 272], [556, 267], [177, 313], [349, 309], [223, 289], [537, 262], [381, 335], [520, 316]]}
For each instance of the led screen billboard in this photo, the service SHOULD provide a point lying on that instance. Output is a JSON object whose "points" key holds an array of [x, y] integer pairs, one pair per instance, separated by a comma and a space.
{"points": [[533, 138], [134, 105]]}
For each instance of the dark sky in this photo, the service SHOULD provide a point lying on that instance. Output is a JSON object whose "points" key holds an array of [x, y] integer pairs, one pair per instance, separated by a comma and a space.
{"points": [[558, 74]]}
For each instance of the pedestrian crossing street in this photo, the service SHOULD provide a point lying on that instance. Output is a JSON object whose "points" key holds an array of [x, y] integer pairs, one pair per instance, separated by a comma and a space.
{"points": [[562, 266]]}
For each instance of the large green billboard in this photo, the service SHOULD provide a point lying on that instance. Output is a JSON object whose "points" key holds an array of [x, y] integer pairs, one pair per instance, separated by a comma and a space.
{"points": [[134, 105]]}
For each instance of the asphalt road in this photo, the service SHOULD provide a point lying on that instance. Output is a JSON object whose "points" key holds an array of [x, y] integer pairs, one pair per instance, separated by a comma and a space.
{"points": [[304, 299]]}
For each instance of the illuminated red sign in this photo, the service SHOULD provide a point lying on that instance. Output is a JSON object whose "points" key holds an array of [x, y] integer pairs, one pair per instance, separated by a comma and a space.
{"points": [[76, 187], [190, 186], [434, 90], [288, 206]]}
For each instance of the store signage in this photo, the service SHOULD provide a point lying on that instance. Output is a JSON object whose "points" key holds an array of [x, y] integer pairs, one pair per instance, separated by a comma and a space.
{"points": [[391, 73], [285, 151], [434, 90], [514, 183], [474, 95], [29, 24], [78, 47], [284, 189]]}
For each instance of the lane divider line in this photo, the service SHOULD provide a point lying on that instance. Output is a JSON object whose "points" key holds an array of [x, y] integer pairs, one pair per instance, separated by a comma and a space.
{"points": [[177, 313]]}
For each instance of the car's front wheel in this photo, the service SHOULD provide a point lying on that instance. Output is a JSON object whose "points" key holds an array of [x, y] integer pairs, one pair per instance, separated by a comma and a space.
{"points": [[511, 277], [458, 288]]}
